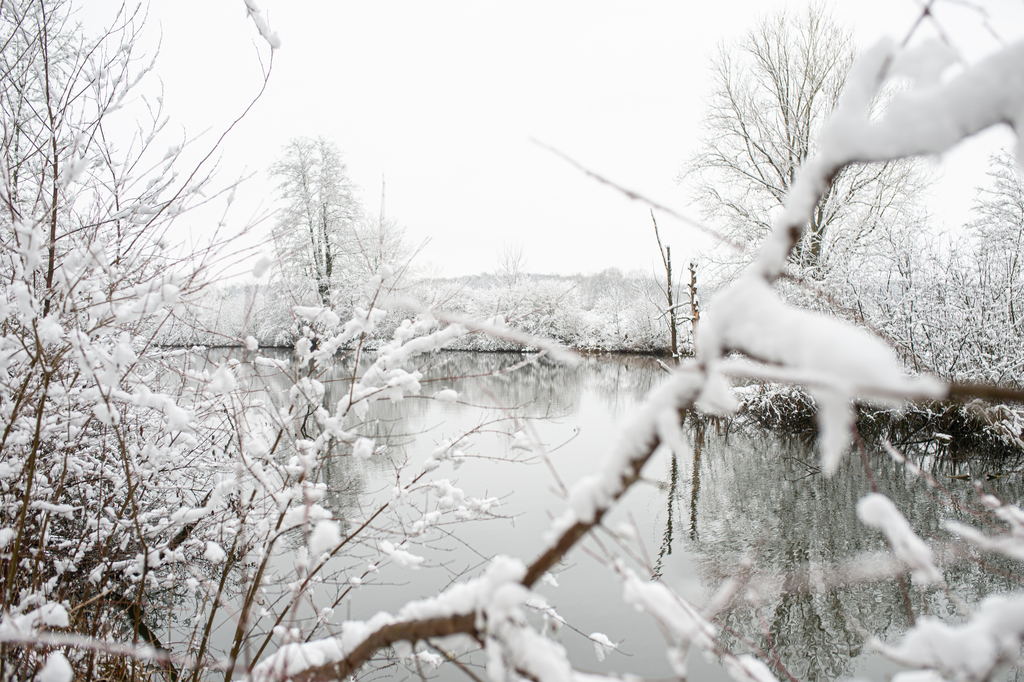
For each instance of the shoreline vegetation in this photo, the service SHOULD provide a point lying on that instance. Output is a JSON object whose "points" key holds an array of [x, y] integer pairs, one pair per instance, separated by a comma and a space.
{"points": [[980, 437], [981, 434]]}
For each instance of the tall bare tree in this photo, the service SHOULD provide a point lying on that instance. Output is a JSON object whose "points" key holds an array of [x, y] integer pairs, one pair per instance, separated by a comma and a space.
{"points": [[772, 91], [668, 291]]}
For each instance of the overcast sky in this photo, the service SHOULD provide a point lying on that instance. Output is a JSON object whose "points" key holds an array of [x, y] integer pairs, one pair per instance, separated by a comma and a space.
{"points": [[442, 99]]}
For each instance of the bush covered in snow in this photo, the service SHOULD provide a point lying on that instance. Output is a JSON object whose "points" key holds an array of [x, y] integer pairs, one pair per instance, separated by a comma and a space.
{"points": [[608, 311]]}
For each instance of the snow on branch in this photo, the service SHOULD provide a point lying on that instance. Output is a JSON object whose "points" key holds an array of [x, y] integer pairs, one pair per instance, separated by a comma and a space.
{"points": [[1010, 544], [971, 652], [682, 621], [591, 497], [256, 14], [930, 118], [494, 327], [486, 608], [847, 361], [878, 511], [468, 608]]}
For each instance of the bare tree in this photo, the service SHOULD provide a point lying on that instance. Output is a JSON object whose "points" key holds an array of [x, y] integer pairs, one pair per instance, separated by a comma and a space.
{"points": [[668, 291], [999, 232], [771, 94], [511, 264], [381, 241], [315, 227]]}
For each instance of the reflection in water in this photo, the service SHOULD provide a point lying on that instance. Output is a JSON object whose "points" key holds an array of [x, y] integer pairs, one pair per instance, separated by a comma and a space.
{"points": [[673, 495], [698, 425], [764, 503], [500, 400]]}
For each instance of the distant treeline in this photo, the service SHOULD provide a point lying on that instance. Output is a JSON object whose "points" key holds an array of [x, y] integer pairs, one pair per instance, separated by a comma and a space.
{"points": [[609, 311]]}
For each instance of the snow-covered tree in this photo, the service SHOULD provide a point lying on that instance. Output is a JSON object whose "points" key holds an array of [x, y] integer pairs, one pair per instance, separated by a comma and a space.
{"points": [[380, 241], [998, 233], [315, 230], [952, 306], [92, 445], [771, 94]]}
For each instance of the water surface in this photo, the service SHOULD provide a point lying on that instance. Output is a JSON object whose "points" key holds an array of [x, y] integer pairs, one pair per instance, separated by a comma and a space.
{"points": [[741, 504]]}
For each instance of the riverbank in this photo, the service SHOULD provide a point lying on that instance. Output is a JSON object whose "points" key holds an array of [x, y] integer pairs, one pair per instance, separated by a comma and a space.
{"points": [[989, 435], [952, 430]]}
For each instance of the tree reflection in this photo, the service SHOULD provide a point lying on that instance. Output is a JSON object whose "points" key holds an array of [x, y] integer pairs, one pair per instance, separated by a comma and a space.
{"points": [[673, 495], [764, 502]]}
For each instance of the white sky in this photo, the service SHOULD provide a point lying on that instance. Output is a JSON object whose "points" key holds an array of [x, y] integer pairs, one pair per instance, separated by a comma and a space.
{"points": [[443, 98]]}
